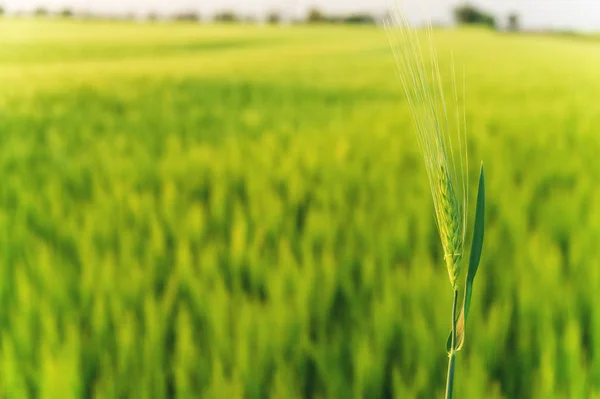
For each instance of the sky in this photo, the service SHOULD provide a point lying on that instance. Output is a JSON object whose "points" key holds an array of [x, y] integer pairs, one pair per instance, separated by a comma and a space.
{"points": [[583, 15]]}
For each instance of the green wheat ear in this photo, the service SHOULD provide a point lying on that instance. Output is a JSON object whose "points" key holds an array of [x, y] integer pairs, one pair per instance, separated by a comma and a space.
{"points": [[446, 159], [446, 168]]}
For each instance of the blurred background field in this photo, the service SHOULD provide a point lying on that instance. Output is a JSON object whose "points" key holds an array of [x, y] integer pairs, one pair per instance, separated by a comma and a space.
{"points": [[241, 211]]}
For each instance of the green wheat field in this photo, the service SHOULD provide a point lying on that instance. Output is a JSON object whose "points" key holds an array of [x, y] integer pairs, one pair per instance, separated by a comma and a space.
{"points": [[232, 211]]}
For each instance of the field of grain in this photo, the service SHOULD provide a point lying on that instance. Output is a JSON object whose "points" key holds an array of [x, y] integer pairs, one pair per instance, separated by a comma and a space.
{"points": [[243, 212]]}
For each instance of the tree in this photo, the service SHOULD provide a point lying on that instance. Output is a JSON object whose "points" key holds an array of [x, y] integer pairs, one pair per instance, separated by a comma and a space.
{"points": [[1, 11], [226, 16], [513, 23], [467, 14], [273, 18], [40, 12], [189, 16], [66, 13], [359, 19], [315, 15]]}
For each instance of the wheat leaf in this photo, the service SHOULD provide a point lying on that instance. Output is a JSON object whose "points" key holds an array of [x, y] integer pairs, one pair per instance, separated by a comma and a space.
{"points": [[475, 256]]}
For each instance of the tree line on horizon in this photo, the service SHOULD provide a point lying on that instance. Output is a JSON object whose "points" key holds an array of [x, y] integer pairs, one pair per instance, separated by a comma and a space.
{"points": [[463, 15]]}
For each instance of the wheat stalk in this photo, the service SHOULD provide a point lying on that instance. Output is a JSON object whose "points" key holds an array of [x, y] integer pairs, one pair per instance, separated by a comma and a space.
{"points": [[446, 168]]}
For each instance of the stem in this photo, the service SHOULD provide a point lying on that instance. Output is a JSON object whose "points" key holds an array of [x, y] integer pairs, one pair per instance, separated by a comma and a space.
{"points": [[452, 354]]}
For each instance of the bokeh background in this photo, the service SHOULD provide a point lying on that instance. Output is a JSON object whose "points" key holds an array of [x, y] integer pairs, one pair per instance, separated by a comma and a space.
{"points": [[226, 200]]}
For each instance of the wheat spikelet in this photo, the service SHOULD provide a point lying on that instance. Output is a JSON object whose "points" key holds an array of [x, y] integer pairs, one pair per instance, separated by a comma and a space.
{"points": [[445, 169], [449, 223]]}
